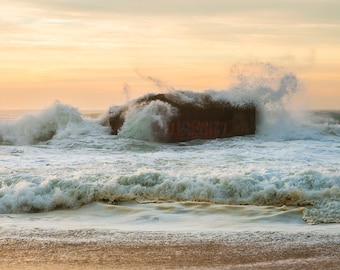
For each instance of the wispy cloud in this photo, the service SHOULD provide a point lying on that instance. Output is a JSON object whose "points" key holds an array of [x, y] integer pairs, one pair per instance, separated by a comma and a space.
{"points": [[311, 9]]}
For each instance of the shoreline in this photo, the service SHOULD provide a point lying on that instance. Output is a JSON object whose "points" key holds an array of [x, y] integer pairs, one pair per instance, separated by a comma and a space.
{"points": [[90, 249]]}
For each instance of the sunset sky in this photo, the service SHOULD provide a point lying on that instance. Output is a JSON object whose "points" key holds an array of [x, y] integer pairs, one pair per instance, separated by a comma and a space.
{"points": [[93, 54]]}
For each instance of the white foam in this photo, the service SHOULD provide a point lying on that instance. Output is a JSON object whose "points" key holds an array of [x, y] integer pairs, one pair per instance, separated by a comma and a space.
{"points": [[232, 171], [142, 122], [34, 128]]}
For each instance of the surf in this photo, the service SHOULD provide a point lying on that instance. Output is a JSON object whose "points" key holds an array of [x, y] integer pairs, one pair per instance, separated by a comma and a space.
{"points": [[57, 158]]}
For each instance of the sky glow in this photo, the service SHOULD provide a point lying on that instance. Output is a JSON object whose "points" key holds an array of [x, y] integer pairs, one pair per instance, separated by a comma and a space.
{"points": [[84, 52]]}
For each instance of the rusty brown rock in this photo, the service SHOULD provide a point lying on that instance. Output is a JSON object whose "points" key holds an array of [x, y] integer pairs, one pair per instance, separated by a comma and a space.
{"points": [[199, 118]]}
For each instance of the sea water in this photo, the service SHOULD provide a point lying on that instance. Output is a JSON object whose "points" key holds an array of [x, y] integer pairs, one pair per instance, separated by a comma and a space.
{"points": [[62, 169]]}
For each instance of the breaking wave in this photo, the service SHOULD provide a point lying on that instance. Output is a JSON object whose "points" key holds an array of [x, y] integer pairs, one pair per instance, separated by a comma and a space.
{"points": [[318, 193], [35, 128]]}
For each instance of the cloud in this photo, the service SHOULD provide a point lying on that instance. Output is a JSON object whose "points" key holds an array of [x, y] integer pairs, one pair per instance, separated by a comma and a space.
{"points": [[304, 9], [148, 6], [191, 27]]}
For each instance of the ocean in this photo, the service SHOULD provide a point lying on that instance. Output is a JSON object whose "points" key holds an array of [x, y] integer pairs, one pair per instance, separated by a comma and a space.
{"points": [[61, 169]]}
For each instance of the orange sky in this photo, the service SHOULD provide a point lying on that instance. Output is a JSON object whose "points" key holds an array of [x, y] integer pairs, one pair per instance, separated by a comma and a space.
{"points": [[85, 53]]}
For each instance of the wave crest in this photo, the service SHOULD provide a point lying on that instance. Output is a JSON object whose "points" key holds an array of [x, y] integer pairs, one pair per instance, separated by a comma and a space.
{"points": [[35, 128]]}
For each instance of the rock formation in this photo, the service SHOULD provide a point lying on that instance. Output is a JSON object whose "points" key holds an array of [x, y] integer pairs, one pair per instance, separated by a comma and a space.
{"points": [[198, 116]]}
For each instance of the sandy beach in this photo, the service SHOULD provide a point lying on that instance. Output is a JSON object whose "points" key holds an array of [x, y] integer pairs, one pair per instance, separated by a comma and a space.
{"points": [[161, 250]]}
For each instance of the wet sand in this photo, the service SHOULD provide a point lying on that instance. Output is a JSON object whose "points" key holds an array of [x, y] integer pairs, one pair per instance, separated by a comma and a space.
{"points": [[151, 250]]}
